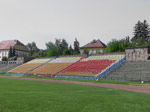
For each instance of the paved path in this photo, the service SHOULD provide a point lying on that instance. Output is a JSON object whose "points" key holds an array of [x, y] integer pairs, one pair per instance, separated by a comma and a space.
{"points": [[143, 89]]}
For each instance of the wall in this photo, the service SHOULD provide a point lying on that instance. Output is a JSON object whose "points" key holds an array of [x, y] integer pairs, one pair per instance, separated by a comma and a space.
{"points": [[20, 53], [137, 54], [3, 53]]}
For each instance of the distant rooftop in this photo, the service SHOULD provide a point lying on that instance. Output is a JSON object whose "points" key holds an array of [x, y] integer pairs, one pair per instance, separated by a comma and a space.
{"points": [[95, 44], [5, 45]]}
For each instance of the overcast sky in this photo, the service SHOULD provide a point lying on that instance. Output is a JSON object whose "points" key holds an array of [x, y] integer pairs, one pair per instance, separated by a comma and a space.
{"points": [[44, 20]]}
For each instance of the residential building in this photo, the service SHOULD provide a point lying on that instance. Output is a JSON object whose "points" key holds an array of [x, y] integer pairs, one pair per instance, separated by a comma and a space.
{"points": [[20, 48], [94, 47]]}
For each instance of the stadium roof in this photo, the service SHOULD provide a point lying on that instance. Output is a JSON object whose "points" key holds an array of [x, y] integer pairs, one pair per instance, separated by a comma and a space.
{"points": [[5, 45], [95, 44]]}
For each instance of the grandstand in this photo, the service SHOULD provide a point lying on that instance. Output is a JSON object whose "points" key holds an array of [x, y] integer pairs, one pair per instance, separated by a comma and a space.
{"points": [[92, 66], [131, 71], [81, 67], [55, 66], [31, 65], [6, 67]]}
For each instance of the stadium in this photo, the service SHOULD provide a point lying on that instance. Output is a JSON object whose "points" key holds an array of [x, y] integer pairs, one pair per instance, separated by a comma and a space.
{"points": [[77, 82], [74, 56]]}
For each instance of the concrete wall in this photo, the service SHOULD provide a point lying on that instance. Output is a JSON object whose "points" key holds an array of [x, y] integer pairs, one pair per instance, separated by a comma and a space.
{"points": [[137, 54], [3, 53], [20, 60]]}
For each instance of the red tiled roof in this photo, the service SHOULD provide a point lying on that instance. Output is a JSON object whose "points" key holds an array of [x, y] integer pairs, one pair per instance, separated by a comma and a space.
{"points": [[95, 44], [5, 45]]}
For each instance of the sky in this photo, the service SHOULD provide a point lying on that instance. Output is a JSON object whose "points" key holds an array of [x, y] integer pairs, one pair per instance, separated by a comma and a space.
{"points": [[42, 21]]}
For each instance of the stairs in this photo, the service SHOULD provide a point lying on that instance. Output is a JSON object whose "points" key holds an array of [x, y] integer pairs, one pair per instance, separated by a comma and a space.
{"points": [[6, 68], [131, 71]]}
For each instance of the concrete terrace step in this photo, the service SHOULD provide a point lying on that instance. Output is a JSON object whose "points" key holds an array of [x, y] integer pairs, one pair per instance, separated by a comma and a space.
{"points": [[139, 70]]}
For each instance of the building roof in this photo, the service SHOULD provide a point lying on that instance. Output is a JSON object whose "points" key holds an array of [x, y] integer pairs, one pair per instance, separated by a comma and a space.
{"points": [[5, 45], [94, 44]]}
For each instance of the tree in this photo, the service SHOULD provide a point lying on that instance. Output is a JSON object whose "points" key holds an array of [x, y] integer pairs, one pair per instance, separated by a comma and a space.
{"points": [[60, 47], [33, 49], [141, 32], [32, 46], [137, 31], [10, 52], [76, 47], [51, 52], [66, 52], [42, 53], [64, 44], [70, 50], [51, 49], [50, 45], [146, 31], [118, 45], [13, 51], [86, 51], [57, 42]]}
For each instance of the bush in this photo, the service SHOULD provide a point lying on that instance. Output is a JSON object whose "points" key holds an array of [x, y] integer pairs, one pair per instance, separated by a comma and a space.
{"points": [[4, 59], [86, 51]]}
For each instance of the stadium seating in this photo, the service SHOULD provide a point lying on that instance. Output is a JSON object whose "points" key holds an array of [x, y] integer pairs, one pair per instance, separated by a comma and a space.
{"points": [[29, 66], [4, 68], [131, 71], [91, 66], [56, 65]]}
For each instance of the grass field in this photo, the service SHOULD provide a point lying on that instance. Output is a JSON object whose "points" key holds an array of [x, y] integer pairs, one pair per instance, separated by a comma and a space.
{"points": [[33, 96]]}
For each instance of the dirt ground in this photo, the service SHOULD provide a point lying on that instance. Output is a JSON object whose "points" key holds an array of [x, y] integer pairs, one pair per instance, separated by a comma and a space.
{"points": [[143, 89]]}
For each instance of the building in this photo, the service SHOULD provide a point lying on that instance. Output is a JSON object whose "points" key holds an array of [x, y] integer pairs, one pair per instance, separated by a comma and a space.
{"points": [[94, 47], [20, 48], [137, 54]]}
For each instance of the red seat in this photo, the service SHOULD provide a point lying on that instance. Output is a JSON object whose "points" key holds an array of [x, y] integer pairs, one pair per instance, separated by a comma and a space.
{"points": [[91, 66]]}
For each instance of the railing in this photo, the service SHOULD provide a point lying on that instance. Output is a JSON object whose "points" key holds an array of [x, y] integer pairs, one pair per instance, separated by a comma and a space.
{"points": [[8, 62], [12, 62], [3, 62], [74, 77]]}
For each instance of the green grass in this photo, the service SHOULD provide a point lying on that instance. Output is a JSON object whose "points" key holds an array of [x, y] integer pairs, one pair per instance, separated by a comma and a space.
{"points": [[33, 96]]}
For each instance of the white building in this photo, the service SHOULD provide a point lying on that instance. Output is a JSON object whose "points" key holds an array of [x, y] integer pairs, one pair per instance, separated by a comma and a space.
{"points": [[20, 48], [94, 47]]}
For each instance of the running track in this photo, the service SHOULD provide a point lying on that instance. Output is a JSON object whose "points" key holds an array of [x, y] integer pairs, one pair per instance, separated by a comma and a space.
{"points": [[142, 89]]}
